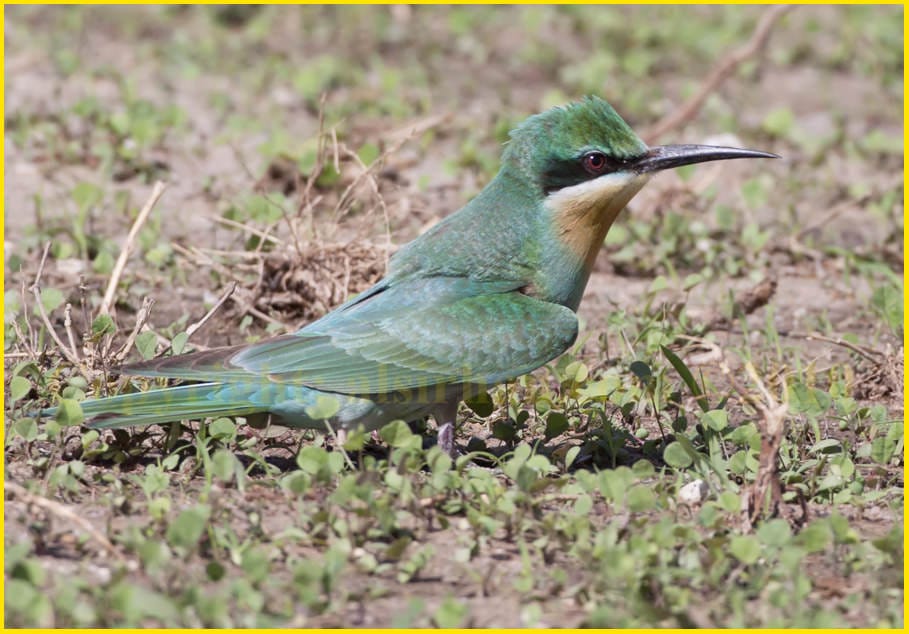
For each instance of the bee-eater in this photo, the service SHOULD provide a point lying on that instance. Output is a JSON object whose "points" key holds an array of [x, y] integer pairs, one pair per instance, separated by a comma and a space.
{"points": [[484, 296]]}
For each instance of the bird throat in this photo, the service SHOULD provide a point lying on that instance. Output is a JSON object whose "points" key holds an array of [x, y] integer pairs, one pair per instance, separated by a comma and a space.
{"points": [[584, 213]]}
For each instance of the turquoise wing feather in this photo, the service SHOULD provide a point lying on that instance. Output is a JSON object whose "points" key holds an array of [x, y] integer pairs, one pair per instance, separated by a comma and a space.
{"points": [[408, 335]]}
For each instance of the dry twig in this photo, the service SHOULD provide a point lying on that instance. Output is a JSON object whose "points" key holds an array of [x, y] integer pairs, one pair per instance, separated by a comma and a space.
{"points": [[108, 300], [864, 351], [70, 355], [224, 297], [720, 73], [141, 318], [765, 494]]}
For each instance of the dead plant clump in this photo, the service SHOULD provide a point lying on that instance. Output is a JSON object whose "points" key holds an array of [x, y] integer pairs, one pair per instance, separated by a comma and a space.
{"points": [[882, 378], [298, 287]]}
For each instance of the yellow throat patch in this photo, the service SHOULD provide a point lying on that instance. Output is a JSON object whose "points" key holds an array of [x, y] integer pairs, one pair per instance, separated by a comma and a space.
{"points": [[583, 213]]}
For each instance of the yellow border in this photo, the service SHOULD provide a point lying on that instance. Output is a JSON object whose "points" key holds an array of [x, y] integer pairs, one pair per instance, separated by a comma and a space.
{"points": [[905, 304], [709, 2], [3, 255], [456, 2]]}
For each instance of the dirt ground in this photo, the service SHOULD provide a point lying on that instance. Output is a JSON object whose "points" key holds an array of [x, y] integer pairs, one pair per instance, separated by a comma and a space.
{"points": [[436, 89]]}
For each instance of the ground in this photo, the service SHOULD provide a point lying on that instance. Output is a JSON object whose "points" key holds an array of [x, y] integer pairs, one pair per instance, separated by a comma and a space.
{"points": [[743, 327]]}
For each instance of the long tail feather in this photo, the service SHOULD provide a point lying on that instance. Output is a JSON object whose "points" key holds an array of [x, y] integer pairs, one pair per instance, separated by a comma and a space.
{"points": [[201, 400]]}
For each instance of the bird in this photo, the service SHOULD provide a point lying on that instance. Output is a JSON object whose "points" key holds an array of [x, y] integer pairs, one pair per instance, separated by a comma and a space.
{"points": [[484, 296]]}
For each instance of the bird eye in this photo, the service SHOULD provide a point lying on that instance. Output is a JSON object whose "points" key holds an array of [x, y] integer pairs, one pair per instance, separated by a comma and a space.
{"points": [[594, 162]]}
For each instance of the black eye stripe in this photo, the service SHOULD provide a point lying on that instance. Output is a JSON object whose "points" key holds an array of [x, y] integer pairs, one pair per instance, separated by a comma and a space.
{"points": [[561, 173]]}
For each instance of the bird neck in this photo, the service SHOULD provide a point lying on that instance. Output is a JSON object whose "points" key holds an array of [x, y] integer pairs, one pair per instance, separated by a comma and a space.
{"points": [[578, 219], [582, 214]]}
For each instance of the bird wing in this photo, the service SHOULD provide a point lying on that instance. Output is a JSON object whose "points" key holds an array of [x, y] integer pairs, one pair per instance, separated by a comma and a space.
{"points": [[408, 335]]}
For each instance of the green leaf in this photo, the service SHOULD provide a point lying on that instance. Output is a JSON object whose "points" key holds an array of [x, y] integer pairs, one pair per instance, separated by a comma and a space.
{"points": [[602, 388], [12, 304], [614, 483], [576, 371], [86, 195], [222, 465], [815, 537], [745, 548], [779, 122], [255, 564], [51, 299], [745, 436], [69, 412], [103, 263], [827, 446], [396, 434], [887, 301], [556, 424], [178, 342], [19, 386], [215, 570], [640, 498], [583, 505], [504, 430], [571, 455], [643, 468], [103, 325], [146, 343], [222, 429], [676, 456], [368, 153], [325, 407], [687, 377], [715, 419], [807, 400], [311, 459], [658, 284], [884, 447], [187, 529], [641, 370], [774, 533], [356, 439], [730, 501], [27, 428], [481, 404], [451, 614]]}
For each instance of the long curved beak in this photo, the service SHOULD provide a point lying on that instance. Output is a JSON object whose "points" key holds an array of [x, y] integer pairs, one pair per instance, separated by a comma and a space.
{"points": [[664, 157]]}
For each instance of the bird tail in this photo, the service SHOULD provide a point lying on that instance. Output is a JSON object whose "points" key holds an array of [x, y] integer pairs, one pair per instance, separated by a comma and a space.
{"points": [[200, 400]]}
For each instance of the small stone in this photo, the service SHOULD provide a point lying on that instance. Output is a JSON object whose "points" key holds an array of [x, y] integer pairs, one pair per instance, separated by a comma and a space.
{"points": [[694, 492]]}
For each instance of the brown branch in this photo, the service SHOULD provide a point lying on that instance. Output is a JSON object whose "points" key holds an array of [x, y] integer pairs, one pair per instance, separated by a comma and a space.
{"points": [[871, 354], [71, 356], [224, 297], [141, 318], [767, 480], [68, 325], [108, 300], [719, 74]]}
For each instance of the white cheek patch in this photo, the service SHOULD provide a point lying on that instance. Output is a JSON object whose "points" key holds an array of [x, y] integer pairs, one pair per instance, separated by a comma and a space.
{"points": [[597, 200]]}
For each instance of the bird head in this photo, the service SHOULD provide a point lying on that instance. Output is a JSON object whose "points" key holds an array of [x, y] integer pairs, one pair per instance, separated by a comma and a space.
{"points": [[587, 141], [587, 163]]}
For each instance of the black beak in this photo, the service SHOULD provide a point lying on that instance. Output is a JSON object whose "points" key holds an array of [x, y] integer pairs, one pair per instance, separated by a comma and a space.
{"points": [[666, 156]]}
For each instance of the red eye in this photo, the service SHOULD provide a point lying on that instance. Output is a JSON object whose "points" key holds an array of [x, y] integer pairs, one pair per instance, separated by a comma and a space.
{"points": [[594, 162]]}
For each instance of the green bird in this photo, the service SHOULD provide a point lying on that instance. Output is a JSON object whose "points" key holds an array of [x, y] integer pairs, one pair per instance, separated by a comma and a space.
{"points": [[484, 296]]}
